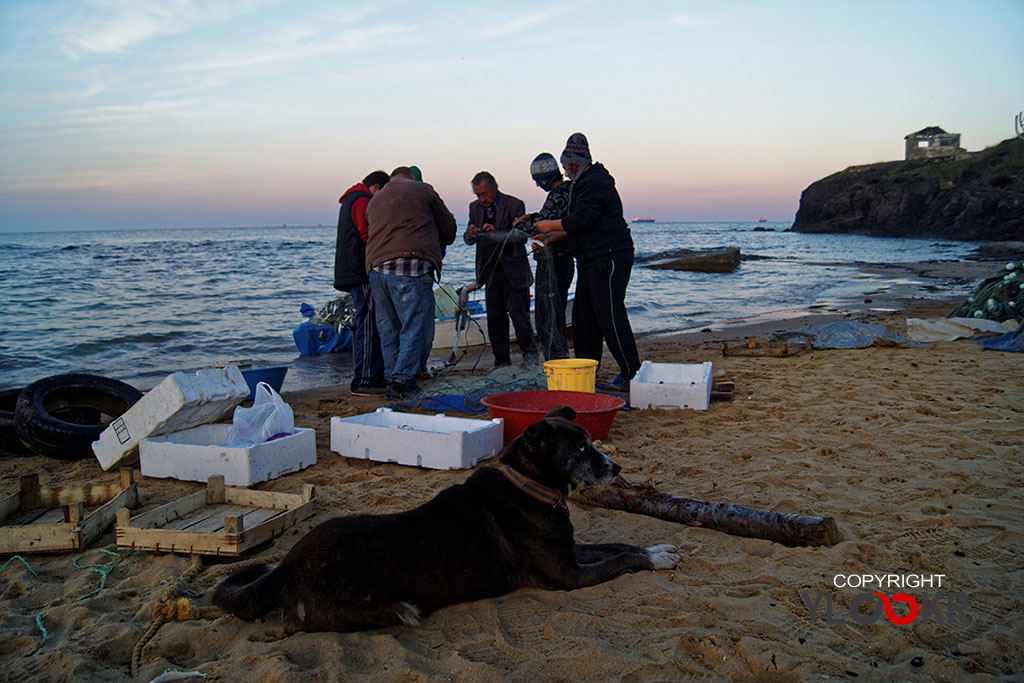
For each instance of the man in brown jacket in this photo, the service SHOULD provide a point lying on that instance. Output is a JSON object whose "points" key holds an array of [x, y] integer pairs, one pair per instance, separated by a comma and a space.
{"points": [[408, 228]]}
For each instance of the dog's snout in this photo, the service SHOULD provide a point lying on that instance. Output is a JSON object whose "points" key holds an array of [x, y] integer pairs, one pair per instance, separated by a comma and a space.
{"points": [[614, 467]]}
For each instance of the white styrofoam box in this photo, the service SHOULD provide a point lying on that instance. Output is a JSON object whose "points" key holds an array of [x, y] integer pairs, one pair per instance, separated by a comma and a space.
{"points": [[671, 385], [196, 454], [435, 441], [178, 402]]}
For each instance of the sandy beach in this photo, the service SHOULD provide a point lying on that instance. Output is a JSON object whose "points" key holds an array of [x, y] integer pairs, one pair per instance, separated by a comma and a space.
{"points": [[916, 452]]}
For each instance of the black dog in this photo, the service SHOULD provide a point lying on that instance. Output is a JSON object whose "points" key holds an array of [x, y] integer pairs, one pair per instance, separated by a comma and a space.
{"points": [[505, 528]]}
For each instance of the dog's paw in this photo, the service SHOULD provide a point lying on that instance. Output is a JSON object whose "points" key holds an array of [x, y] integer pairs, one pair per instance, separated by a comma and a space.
{"points": [[664, 548], [663, 556], [409, 614]]}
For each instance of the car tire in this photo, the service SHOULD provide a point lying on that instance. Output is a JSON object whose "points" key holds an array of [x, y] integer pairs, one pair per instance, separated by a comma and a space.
{"points": [[9, 441], [60, 416]]}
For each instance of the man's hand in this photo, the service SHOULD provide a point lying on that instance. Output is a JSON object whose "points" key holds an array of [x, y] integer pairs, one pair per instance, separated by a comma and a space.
{"points": [[487, 228], [545, 238], [471, 230]]}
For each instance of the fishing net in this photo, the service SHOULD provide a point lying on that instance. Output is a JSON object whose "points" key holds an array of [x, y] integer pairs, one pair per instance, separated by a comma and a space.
{"points": [[465, 375], [339, 312], [998, 298]]}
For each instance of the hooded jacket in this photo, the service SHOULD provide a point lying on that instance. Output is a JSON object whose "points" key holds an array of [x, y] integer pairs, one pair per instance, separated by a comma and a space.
{"points": [[350, 243], [596, 228]]}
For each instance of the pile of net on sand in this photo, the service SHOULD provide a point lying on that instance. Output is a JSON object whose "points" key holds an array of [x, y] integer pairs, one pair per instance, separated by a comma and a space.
{"points": [[338, 311], [473, 377], [998, 298], [486, 382]]}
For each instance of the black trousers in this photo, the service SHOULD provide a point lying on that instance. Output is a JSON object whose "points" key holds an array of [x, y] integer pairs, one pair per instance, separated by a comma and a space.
{"points": [[504, 302], [599, 314], [554, 276]]}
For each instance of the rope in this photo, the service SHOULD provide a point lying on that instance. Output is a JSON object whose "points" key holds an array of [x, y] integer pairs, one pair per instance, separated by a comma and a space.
{"points": [[39, 615], [19, 557], [39, 623], [146, 637], [103, 569], [171, 606]]}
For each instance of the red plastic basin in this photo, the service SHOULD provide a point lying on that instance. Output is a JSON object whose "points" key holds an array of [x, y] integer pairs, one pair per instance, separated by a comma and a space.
{"points": [[520, 409]]}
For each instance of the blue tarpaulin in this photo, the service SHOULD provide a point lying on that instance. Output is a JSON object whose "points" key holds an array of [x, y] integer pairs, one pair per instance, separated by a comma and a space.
{"points": [[1012, 342], [316, 339], [443, 403]]}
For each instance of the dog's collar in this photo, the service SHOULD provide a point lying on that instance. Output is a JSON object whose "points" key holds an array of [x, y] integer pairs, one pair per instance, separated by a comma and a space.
{"points": [[534, 489]]}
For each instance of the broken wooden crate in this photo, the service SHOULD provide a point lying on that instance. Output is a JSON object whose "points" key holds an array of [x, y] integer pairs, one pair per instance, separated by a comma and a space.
{"points": [[218, 520], [722, 386], [44, 518]]}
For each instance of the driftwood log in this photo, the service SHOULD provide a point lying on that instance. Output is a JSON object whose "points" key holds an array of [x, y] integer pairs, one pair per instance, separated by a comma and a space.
{"points": [[788, 529]]}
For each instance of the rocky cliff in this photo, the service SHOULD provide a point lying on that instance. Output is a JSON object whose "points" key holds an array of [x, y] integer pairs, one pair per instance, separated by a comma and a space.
{"points": [[978, 197]]}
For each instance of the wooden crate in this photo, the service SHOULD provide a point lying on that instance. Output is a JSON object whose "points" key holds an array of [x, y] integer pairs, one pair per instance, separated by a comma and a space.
{"points": [[219, 520], [42, 518]]}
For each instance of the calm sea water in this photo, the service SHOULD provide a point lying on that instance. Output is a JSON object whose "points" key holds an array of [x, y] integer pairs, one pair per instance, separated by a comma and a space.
{"points": [[137, 305]]}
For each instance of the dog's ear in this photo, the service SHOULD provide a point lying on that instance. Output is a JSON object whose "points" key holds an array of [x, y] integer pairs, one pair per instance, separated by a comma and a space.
{"points": [[564, 411], [541, 432], [538, 431]]}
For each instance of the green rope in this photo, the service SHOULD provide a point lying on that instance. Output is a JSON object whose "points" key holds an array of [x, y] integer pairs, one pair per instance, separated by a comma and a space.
{"points": [[39, 623], [39, 615], [19, 557], [103, 569]]}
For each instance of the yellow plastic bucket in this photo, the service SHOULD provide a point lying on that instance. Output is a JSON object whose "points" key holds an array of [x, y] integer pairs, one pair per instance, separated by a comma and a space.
{"points": [[571, 374]]}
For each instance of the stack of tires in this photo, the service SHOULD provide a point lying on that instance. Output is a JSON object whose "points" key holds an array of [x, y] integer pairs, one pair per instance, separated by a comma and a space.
{"points": [[60, 416]]}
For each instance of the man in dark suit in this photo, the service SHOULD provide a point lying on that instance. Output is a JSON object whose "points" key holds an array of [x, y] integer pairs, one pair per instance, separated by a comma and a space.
{"points": [[501, 267]]}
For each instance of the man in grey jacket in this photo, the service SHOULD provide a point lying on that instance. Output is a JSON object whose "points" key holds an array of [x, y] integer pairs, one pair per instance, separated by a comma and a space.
{"points": [[501, 267], [408, 227]]}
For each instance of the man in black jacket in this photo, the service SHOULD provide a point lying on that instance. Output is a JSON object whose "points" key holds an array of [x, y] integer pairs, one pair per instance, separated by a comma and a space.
{"points": [[501, 267], [600, 240], [350, 276]]}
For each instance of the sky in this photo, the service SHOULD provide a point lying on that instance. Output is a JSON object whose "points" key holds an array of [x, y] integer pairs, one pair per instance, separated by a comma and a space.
{"points": [[128, 114]]}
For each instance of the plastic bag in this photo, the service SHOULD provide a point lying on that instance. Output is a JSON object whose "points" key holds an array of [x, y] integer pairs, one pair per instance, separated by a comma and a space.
{"points": [[268, 417]]}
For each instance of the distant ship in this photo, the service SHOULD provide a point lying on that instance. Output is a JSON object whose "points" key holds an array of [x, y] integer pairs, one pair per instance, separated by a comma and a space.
{"points": [[642, 219], [762, 220]]}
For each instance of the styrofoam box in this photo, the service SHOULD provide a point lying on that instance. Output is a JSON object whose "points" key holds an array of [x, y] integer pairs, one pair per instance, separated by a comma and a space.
{"points": [[178, 402], [197, 454], [671, 385], [435, 441]]}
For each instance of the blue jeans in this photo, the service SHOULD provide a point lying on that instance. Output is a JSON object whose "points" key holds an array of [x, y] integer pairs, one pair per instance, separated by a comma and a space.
{"points": [[405, 321]]}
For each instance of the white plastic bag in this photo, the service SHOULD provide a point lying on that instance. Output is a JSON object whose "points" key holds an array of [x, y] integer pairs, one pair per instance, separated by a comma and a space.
{"points": [[268, 417]]}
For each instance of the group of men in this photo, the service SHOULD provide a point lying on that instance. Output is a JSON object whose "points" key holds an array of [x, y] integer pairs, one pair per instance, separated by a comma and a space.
{"points": [[392, 235]]}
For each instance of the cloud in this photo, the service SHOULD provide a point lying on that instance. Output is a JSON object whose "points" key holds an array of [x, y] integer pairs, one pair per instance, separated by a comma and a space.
{"points": [[296, 47], [507, 26], [118, 114], [112, 27], [688, 21]]}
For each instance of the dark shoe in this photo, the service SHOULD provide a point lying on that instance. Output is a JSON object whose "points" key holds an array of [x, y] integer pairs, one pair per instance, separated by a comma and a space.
{"points": [[366, 389], [618, 384], [502, 363], [530, 360], [401, 392]]}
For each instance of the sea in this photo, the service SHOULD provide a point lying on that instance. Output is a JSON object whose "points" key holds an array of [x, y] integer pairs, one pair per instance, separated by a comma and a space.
{"points": [[138, 305]]}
